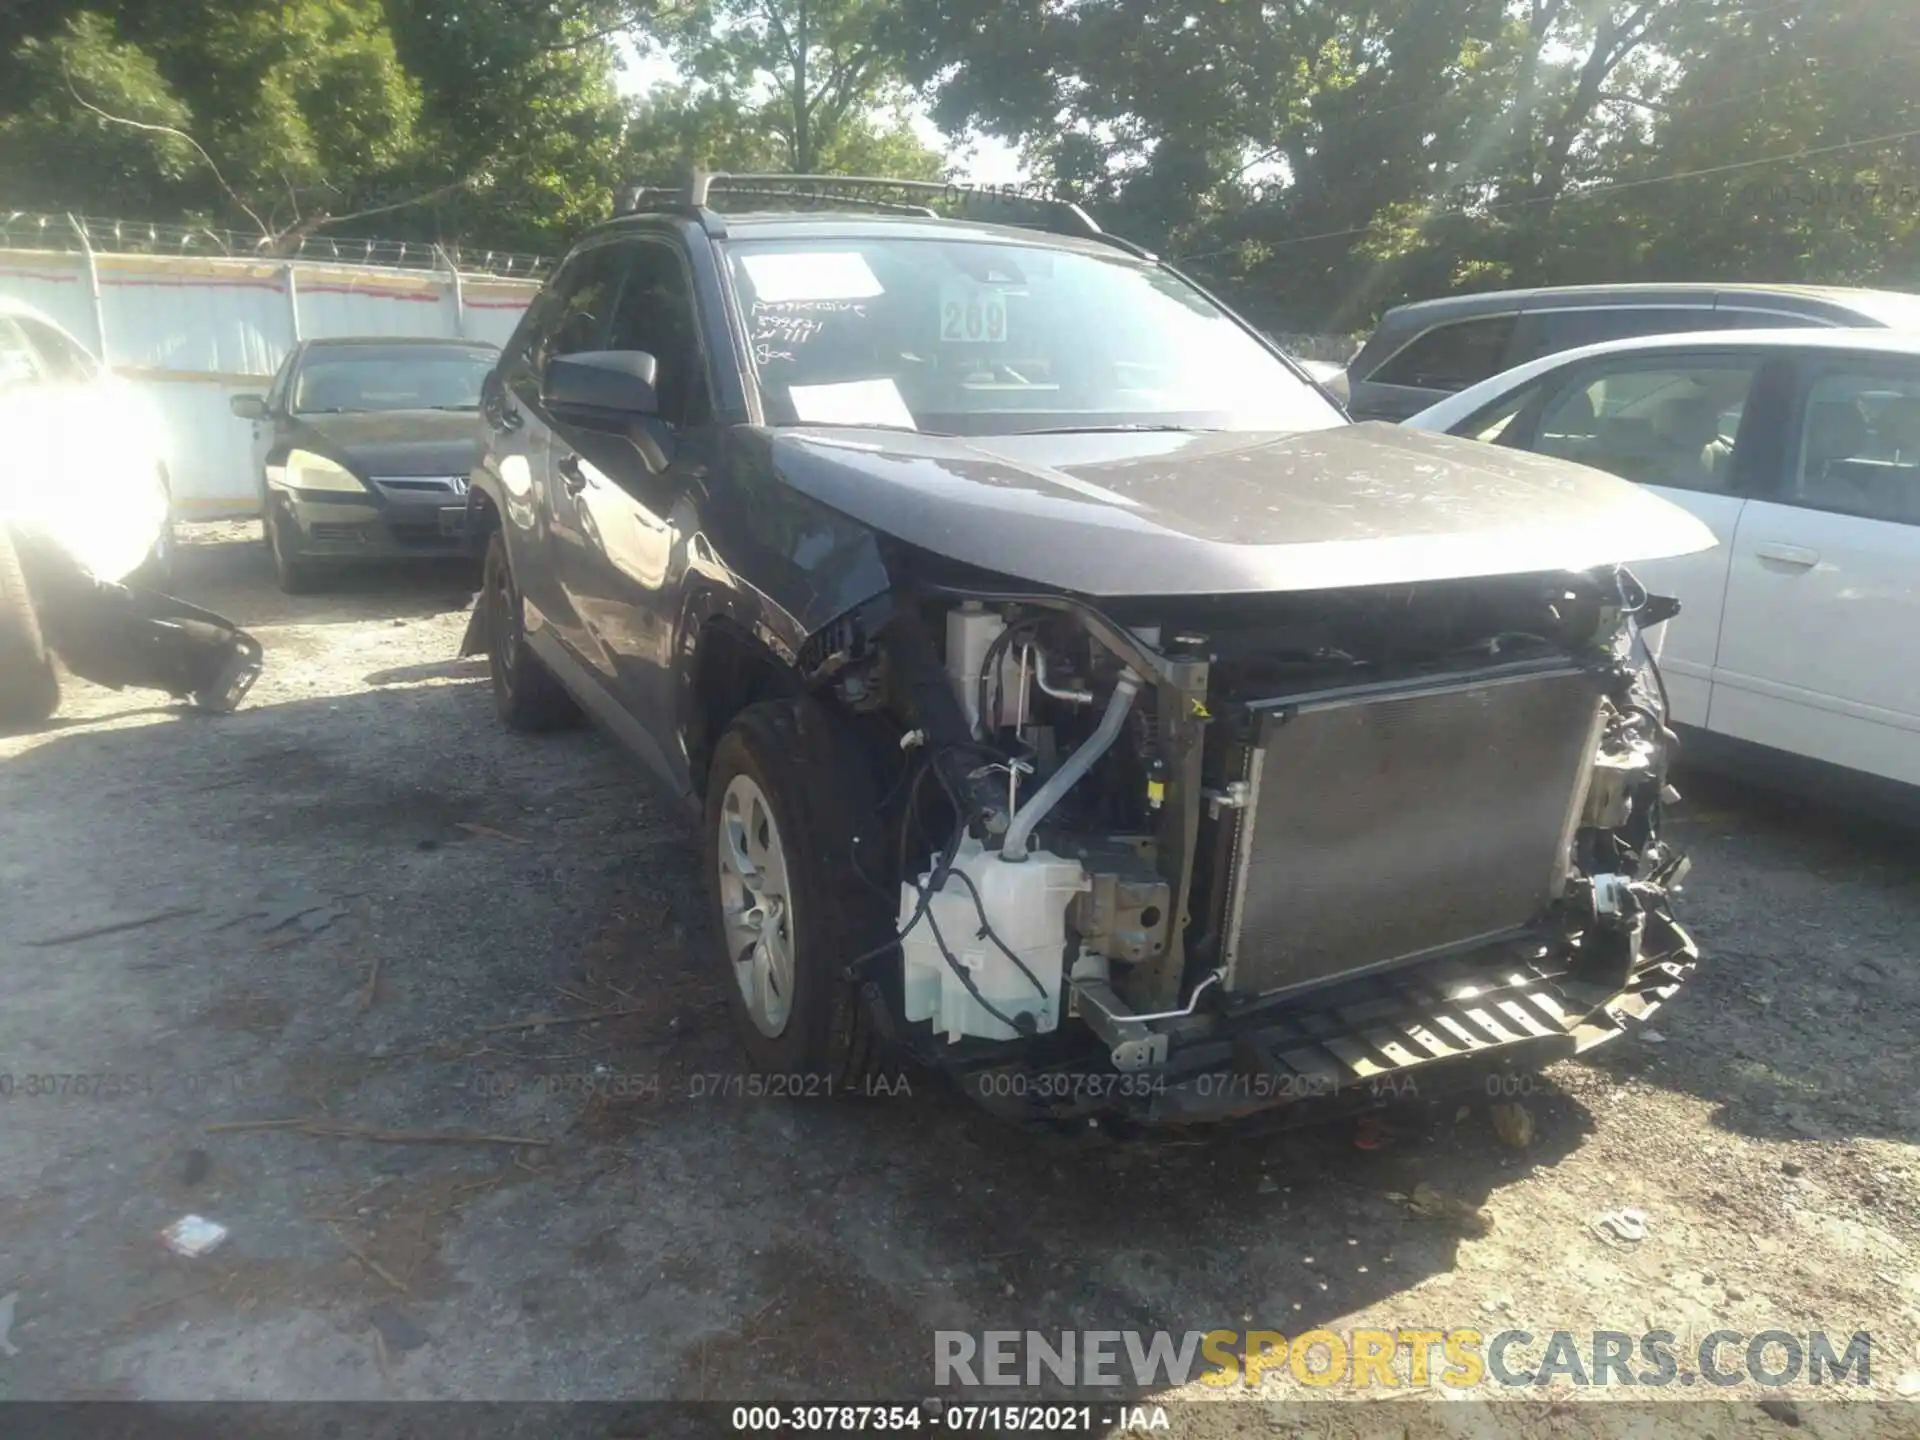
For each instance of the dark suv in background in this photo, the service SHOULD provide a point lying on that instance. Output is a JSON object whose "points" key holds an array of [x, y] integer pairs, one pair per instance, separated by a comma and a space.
{"points": [[1427, 351]]}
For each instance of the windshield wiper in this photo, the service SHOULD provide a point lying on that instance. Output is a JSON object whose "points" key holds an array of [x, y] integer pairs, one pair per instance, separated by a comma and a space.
{"points": [[869, 425]]}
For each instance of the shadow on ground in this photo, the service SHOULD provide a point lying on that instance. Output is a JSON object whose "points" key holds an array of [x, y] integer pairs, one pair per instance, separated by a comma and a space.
{"points": [[233, 575], [1798, 1024], [728, 1244]]}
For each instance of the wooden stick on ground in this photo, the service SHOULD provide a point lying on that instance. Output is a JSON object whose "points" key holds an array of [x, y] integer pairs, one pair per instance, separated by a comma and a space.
{"points": [[492, 834], [229, 1126], [97, 931], [537, 1022], [367, 1260], [322, 1128], [332, 1130]]}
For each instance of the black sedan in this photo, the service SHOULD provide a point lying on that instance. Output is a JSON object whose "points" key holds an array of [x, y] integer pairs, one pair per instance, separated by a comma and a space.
{"points": [[364, 448]]}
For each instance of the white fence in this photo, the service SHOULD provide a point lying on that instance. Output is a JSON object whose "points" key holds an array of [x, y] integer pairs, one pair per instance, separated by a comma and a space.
{"points": [[196, 330]]}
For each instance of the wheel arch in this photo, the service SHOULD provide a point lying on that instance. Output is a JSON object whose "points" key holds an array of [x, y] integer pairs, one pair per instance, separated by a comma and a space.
{"points": [[729, 665]]}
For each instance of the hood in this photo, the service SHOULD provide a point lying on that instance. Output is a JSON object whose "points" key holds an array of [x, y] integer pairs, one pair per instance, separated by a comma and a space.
{"points": [[395, 442], [1234, 513]]}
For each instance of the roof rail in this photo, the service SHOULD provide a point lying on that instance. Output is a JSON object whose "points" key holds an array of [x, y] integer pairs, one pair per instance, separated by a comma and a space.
{"points": [[1001, 203]]}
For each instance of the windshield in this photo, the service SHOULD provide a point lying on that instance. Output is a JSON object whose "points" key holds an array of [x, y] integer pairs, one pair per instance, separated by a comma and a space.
{"points": [[420, 377], [980, 338]]}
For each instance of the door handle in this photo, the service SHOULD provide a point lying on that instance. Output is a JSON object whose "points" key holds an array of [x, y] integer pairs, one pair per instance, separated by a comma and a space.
{"points": [[1796, 555], [571, 475]]}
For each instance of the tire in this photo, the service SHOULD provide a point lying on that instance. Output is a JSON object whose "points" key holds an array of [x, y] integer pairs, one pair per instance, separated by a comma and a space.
{"points": [[525, 693], [29, 688], [803, 762], [295, 576]]}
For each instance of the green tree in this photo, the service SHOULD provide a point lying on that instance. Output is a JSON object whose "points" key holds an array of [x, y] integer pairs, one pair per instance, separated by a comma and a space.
{"points": [[1320, 159], [1825, 82], [520, 116], [228, 118], [822, 78]]}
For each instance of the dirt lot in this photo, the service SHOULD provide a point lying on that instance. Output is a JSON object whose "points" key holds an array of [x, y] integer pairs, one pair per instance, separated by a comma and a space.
{"points": [[372, 887]]}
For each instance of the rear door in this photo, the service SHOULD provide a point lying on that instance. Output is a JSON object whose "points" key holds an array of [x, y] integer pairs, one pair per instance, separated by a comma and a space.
{"points": [[1818, 655], [1684, 425]]}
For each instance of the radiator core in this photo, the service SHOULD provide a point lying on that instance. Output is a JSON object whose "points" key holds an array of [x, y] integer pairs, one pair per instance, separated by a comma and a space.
{"points": [[1381, 830]]}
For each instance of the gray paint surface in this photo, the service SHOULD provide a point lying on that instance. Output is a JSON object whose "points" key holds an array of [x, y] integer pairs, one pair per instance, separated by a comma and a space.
{"points": [[1189, 514]]}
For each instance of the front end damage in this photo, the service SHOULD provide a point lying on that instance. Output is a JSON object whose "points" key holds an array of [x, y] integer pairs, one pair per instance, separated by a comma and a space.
{"points": [[1197, 858]]}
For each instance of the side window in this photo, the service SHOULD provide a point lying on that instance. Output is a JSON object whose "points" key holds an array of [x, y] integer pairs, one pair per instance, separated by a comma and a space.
{"points": [[1451, 357], [581, 306], [1547, 332], [655, 314], [65, 363], [1672, 422], [1494, 425], [1860, 447], [19, 366]]}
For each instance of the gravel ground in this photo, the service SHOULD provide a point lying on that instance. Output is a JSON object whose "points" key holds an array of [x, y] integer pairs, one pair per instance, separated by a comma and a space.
{"points": [[374, 886]]}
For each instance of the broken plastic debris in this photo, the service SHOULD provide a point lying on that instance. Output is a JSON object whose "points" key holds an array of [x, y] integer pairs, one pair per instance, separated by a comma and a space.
{"points": [[1629, 1225], [193, 1236], [1653, 1037]]}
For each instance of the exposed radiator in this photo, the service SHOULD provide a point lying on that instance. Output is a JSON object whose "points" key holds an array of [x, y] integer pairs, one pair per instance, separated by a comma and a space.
{"points": [[1379, 830]]}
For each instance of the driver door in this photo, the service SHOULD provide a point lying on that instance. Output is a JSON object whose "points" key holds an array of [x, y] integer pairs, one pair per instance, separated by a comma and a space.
{"points": [[571, 316], [620, 561]]}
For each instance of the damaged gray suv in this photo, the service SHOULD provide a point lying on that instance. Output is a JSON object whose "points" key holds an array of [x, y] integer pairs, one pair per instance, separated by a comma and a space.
{"points": [[1070, 699]]}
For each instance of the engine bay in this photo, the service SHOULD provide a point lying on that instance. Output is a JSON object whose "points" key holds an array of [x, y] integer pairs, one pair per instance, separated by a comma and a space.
{"points": [[1124, 827]]}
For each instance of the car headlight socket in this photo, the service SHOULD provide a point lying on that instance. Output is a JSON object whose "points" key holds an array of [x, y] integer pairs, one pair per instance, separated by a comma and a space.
{"points": [[306, 471]]}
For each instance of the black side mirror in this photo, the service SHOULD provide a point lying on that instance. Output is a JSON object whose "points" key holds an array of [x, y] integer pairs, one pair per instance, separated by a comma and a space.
{"points": [[249, 407], [601, 387], [1657, 610]]}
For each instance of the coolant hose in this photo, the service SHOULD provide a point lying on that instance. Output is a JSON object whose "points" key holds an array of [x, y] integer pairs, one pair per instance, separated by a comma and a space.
{"points": [[1014, 847]]}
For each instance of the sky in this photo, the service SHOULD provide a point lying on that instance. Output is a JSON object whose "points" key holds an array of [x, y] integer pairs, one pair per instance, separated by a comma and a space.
{"points": [[991, 161]]}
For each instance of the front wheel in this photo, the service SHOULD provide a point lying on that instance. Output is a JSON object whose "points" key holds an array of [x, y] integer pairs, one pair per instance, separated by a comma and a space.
{"points": [[786, 798], [295, 575]]}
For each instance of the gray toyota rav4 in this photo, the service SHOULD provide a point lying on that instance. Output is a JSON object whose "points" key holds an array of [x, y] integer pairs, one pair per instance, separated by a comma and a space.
{"points": [[1068, 697]]}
